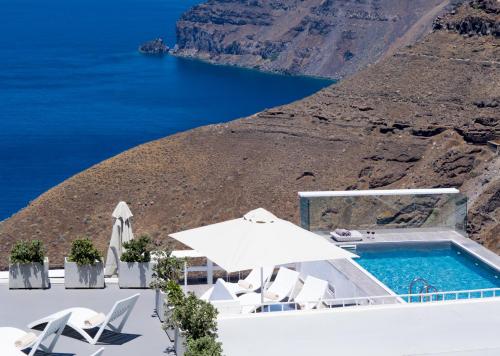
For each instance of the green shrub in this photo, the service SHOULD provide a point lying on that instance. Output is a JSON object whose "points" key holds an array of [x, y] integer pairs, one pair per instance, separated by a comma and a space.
{"points": [[137, 250], [27, 252], [204, 346], [175, 295], [196, 317], [83, 252], [167, 268]]}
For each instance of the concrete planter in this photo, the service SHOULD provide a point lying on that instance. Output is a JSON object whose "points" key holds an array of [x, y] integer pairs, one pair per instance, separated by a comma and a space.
{"points": [[180, 342], [85, 276], [160, 303], [29, 275], [169, 311], [134, 274]]}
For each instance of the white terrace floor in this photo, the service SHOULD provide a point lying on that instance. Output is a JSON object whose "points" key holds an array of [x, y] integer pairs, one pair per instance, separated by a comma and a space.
{"points": [[142, 335]]}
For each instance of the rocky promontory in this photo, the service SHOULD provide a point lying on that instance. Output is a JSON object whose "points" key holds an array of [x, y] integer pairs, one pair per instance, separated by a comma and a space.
{"points": [[419, 118], [314, 37]]}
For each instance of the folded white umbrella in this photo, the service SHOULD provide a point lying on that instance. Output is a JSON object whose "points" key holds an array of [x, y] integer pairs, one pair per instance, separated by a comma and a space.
{"points": [[258, 239], [122, 232]]}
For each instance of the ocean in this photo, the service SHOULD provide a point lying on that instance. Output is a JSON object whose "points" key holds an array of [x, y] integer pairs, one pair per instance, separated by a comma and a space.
{"points": [[74, 90]]}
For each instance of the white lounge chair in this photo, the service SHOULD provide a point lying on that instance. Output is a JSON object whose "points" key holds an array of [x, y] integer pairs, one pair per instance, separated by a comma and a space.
{"points": [[98, 352], [281, 288], [12, 340], [250, 284], [312, 292], [84, 319]]}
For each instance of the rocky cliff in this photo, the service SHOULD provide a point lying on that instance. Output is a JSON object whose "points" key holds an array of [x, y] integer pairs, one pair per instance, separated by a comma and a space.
{"points": [[419, 118], [314, 37]]}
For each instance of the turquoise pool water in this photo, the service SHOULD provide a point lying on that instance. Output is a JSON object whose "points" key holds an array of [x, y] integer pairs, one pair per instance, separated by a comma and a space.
{"points": [[445, 266]]}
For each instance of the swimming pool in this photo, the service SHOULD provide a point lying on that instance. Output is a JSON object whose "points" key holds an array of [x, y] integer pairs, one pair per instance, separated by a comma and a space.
{"points": [[444, 265]]}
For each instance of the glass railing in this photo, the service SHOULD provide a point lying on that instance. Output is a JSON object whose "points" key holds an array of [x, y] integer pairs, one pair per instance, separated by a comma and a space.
{"points": [[444, 208]]}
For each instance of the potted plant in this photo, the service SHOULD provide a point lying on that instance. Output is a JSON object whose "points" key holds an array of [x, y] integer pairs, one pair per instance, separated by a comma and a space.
{"points": [[28, 268], [174, 296], [193, 319], [167, 268], [83, 268], [204, 346], [134, 267]]}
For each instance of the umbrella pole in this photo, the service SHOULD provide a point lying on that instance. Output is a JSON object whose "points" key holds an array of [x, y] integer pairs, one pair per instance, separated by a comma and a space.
{"points": [[185, 277], [262, 285]]}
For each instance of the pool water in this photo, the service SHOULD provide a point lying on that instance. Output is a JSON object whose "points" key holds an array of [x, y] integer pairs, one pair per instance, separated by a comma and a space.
{"points": [[445, 266]]}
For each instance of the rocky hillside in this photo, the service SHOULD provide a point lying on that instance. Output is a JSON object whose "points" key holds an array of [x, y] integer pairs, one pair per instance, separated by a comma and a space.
{"points": [[314, 37], [419, 118]]}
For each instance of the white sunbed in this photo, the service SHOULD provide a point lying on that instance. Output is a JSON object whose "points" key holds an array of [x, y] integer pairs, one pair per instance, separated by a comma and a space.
{"points": [[84, 319], [250, 284], [13, 340], [354, 236], [312, 292], [281, 288]]}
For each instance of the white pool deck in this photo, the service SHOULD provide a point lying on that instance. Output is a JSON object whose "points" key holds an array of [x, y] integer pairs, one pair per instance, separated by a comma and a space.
{"points": [[362, 330]]}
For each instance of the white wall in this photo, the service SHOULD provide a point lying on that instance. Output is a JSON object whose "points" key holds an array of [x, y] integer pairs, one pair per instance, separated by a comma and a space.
{"points": [[403, 329]]}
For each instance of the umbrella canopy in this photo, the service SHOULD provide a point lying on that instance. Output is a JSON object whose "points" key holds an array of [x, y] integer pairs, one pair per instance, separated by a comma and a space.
{"points": [[122, 232], [258, 239]]}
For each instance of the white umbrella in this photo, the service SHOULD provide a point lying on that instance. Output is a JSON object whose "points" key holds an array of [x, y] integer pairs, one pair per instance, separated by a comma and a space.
{"points": [[256, 240], [122, 232]]}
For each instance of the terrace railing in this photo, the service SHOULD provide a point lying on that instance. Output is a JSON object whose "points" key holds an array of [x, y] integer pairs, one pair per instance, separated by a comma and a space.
{"points": [[434, 297]]}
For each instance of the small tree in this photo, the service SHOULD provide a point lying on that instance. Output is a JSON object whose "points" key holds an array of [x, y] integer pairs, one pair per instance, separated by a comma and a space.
{"points": [[204, 346], [167, 268], [27, 252], [196, 317], [83, 252], [137, 250]]}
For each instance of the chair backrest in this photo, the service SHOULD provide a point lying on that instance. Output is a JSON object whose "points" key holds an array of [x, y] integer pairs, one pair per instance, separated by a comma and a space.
{"points": [[53, 327], [254, 276], [285, 282], [313, 290], [121, 307], [98, 352]]}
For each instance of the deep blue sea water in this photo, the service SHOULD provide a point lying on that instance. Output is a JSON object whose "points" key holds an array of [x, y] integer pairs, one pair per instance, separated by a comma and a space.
{"points": [[74, 90], [446, 267]]}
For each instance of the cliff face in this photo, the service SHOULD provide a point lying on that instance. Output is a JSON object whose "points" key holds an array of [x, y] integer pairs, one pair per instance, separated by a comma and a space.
{"points": [[315, 37], [420, 118]]}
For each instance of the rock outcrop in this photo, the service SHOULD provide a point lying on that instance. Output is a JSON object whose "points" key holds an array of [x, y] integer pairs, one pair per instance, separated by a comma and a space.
{"points": [[407, 121], [313, 37], [156, 47]]}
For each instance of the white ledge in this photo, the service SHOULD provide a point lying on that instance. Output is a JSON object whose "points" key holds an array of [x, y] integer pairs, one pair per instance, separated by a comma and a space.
{"points": [[377, 192]]}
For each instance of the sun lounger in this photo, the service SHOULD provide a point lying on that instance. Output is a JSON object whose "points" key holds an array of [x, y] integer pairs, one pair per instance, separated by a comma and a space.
{"points": [[84, 319], [313, 290], [12, 339], [250, 284], [280, 289], [352, 236]]}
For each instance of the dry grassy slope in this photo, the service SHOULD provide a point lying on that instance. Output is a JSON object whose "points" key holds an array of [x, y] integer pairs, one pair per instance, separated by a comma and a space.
{"points": [[409, 121]]}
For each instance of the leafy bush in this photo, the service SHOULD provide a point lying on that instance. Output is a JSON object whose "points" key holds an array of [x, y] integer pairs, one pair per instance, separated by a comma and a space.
{"points": [[204, 346], [175, 294], [83, 252], [27, 252], [168, 268], [137, 250], [196, 317]]}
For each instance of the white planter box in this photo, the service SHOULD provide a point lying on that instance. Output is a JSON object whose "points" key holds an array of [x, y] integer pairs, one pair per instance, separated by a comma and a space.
{"points": [[180, 342], [85, 276], [29, 275], [134, 274], [160, 301]]}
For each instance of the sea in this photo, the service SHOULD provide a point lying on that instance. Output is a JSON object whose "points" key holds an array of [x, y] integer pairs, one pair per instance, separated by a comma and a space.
{"points": [[74, 90]]}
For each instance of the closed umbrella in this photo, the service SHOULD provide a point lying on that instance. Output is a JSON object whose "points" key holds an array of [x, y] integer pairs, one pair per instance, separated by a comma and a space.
{"points": [[122, 232]]}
